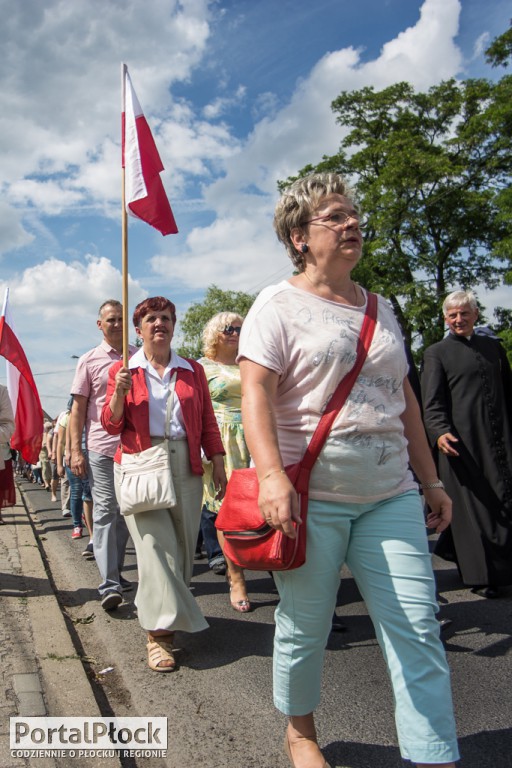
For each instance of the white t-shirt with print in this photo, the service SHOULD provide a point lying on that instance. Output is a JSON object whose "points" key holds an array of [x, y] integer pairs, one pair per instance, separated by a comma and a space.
{"points": [[311, 343]]}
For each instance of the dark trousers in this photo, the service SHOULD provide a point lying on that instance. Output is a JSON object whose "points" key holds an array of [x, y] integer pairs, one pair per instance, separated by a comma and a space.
{"points": [[209, 532]]}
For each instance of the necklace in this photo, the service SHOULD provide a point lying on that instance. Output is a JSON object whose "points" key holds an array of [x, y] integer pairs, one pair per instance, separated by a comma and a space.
{"points": [[352, 287]]}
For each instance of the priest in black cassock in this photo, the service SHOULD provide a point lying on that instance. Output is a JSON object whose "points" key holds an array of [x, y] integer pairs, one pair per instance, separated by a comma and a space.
{"points": [[467, 405]]}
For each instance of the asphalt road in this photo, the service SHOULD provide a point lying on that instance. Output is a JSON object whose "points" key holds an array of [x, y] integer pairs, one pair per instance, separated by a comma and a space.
{"points": [[219, 701]]}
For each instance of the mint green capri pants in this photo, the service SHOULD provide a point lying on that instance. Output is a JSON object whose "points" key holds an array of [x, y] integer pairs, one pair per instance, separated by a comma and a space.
{"points": [[385, 546]]}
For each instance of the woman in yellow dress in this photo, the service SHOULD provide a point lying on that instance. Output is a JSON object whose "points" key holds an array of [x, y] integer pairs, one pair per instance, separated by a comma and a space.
{"points": [[220, 347]]}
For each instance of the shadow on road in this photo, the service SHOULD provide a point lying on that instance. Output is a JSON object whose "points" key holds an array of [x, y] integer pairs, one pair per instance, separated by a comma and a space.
{"points": [[484, 748]]}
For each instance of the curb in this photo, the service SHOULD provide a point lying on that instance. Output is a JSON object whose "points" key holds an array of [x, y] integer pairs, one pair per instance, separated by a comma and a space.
{"points": [[61, 687]]}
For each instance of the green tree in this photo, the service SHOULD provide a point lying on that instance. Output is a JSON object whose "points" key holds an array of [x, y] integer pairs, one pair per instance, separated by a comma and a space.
{"points": [[500, 50], [198, 314], [506, 339], [432, 170], [503, 328], [498, 54]]}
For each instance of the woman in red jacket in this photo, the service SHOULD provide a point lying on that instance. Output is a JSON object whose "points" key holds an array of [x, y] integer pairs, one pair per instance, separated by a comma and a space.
{"points": [[165, 539]]}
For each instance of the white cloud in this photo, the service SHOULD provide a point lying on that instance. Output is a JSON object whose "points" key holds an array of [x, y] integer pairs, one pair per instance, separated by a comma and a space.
{"points": [[235, 253], [13, 235], [300, 133], [55, 305], [60, 77], [60, 137], [423, 54], [193, 147], [62, 100], [498, 297], [98, 179], [305, 129], [266, 104], [481, 44], [223, 103], [49, 197]]}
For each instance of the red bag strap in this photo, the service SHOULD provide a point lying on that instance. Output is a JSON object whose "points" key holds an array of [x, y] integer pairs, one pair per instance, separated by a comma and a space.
{"points": [[340, 395]]}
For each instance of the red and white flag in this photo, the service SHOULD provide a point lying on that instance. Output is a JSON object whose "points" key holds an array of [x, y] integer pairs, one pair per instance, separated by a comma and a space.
{"points": [[28, 414], [145, 194]]}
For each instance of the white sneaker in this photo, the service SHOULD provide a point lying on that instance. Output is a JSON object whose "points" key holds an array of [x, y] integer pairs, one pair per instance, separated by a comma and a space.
{"points": [[111, 600]]}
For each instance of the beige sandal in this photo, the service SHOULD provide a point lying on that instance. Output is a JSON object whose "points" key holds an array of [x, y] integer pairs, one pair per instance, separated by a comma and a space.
{"points": [[288, 750], [160, 649], [243, 605]]}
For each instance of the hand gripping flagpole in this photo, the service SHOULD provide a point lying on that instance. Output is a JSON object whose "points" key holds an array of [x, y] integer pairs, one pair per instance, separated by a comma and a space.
{"points": [[124, 222]]}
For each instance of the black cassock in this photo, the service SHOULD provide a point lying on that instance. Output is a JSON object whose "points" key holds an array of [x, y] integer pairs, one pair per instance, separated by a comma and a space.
{"points": [[467, 390]]}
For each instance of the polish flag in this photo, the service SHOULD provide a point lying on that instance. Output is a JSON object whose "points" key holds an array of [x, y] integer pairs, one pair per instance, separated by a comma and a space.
{"points": [[28, 414], [145, 194]]}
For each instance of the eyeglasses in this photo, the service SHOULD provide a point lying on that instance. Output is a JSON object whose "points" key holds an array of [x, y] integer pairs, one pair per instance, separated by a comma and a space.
{"points": [[341, 219], [229, 330]]}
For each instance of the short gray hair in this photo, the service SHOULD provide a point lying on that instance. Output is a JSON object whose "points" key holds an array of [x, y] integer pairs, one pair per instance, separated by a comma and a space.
{"points": [[460, 299], [297, 203], [109, 303]]}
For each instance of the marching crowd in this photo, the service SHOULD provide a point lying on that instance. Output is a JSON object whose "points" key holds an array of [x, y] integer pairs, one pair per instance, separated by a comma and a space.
{"points": [[257, 394]]}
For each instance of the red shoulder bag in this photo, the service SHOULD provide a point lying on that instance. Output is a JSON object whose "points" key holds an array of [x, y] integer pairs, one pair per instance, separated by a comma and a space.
{"points": [[248, 539]]}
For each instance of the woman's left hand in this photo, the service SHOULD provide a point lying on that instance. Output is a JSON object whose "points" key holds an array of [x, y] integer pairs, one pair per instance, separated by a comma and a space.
{"points": [[440, 505], [219, 476]]}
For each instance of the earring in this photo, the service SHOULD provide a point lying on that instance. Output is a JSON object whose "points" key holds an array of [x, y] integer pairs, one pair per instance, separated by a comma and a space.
{"points": [[304, 248]]}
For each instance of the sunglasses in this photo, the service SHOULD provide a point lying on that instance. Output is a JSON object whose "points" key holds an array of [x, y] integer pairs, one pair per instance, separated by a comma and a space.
{"points": [[229, 330]]}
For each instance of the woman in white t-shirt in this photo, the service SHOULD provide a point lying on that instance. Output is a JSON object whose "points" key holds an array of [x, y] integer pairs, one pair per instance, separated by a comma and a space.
{"points": [[298, 341]]}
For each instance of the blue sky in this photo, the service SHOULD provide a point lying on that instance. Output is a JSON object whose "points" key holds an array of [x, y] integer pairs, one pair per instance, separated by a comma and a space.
{"points": [[237, 93]]}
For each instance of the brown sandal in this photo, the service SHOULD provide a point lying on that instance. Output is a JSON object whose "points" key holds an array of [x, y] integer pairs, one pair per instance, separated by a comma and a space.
{"points": [[160, 649]]}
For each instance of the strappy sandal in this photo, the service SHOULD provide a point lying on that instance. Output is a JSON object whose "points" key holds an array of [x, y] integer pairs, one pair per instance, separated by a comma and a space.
{"points": [[160, 649], [242, 606]]}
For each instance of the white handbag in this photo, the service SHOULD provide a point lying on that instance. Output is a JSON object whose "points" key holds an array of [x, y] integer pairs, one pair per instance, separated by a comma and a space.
{"points": [[143, 481]]}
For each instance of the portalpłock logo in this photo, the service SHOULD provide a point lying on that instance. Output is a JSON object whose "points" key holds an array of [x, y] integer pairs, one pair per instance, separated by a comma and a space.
{"points": [[88, 736]]}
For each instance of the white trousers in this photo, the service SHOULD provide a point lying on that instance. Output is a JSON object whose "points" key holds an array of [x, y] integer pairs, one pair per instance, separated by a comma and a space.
{"points": [[165, 542]]}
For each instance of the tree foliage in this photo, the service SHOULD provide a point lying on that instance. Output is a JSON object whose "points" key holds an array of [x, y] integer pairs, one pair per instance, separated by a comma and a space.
{"points": [[432, 171], [499, 52], [198, 314], [503, 328]]}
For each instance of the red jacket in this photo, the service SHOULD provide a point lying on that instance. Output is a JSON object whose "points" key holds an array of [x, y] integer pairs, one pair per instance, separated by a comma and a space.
{"points": [[196, 407]]}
